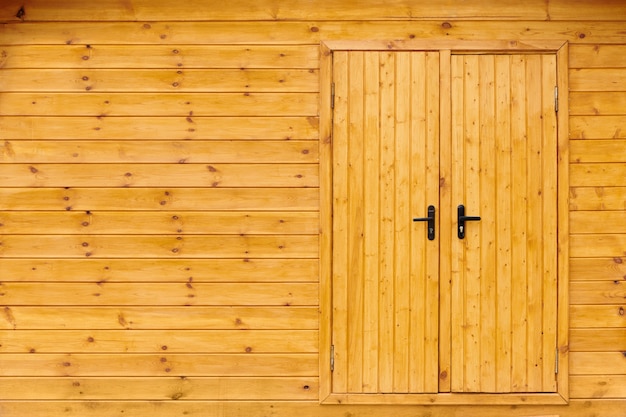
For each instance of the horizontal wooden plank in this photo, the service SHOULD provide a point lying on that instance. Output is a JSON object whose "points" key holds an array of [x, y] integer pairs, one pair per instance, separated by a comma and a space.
{"points": [[159, 389], [164, 364], [598, 386], [596, 56], [590, 269], [598, 151], [159, 246], [215, 151], [165, 270], [597, 127], [159, 175], [304, 32], [159, 128], [162, 294], [40, 10], [575, 408], [597, 245], [596, 222], [188, 223], [275, 10], [597, 292], [597, 363], [151, 80], [597, 79], [158, 199], [159, 56], [597, 198], [159, 341], [594, 339], [159, 318], [157, 104], [597, 103], [598, 175]]}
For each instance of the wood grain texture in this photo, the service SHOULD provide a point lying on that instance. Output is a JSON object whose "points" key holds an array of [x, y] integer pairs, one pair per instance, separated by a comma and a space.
{"points": [[597, 292], [588, 269], [155, 223], [597, 198], [159, 56], [597, 103], [577, 408], [166, 270], [142, 80], [163, 365], [596, 56], [158, 128], [150, 294], [309, 32], [593, 339], [156, 104], [138, 199], [40, 10], [159, 175], [158, 318], [159, 341], [173, 152], [195, 84], [159, 246], [161, 389]]}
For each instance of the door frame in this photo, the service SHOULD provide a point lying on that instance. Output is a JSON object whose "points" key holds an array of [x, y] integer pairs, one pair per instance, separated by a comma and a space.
{"points": [[446, 48]]}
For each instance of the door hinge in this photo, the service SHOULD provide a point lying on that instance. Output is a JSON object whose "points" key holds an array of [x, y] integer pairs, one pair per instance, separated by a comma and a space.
{"points": [[556, 362], [332, 358], [556, 99], [332, 96]]}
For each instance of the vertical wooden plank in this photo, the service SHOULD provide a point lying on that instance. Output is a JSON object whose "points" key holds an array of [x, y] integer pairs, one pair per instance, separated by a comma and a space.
{"points": [[563, 186], [419, 202], [534, 222], [519, 223], [432, 150], [402, 216], [340, 222], [387, 224], [550, 222], [326, 207], [444, 223], [487, 223], [503, 225], [355, 221], [371, 140], [457, 180], [471, 271]]}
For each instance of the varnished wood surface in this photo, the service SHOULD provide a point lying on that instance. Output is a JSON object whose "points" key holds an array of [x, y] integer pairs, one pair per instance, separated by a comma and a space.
{"points": [[90, 92], [300, 10]]}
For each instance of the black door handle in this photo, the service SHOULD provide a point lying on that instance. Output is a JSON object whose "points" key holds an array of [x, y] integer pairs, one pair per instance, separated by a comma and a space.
{"points": [[461, 219], [431, 222]]}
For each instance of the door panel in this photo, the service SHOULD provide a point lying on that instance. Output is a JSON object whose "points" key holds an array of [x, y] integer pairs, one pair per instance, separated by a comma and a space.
{"points": [[496, 329], [385, 270], [503, 310]]}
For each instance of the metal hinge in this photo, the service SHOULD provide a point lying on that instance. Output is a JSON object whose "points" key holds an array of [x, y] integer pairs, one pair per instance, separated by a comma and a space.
{"points": [[556, 99], [332, 96], [332, 358], [556, 362]]}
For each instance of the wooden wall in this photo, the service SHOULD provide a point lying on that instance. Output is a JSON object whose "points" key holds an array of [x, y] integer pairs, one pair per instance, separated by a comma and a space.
{"points": [[159, 200]]}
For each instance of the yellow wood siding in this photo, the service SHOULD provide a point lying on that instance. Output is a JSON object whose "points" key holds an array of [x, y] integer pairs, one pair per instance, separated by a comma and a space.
{"points": [[160, 200]]}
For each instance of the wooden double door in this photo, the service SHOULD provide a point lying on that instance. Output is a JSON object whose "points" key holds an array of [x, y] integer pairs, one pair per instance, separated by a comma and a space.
{"points": [[444, 268]]}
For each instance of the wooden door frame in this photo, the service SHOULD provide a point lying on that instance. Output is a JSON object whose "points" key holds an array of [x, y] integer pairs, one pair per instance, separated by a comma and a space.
{"points": [[446, 48]]}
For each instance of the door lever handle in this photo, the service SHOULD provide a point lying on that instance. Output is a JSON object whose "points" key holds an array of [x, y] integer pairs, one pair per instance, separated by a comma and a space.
{"points": [[461, 219], [431, 222]]}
